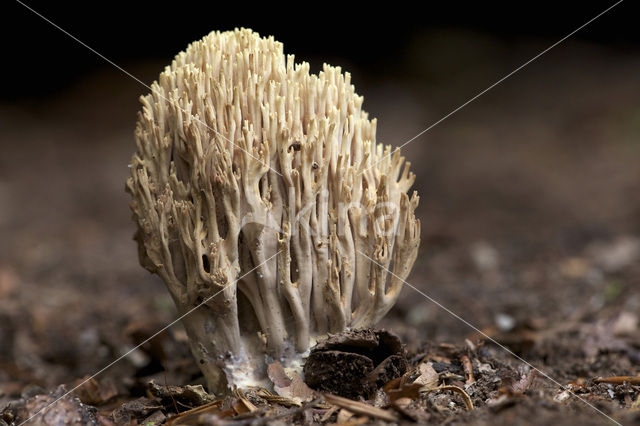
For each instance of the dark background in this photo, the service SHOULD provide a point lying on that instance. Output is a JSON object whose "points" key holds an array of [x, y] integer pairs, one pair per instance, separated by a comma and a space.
{"points": [[41, 60], [529, 195]]}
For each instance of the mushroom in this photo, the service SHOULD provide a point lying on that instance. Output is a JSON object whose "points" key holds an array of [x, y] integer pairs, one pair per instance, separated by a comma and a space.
{"points": [[265, 205]]}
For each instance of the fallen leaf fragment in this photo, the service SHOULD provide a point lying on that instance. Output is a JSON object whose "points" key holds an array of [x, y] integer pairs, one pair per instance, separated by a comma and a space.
{"points": [[428, 377], [93, 392], [293, 388], [405, 391], [136, 409], [401, 388], [190, 395]]}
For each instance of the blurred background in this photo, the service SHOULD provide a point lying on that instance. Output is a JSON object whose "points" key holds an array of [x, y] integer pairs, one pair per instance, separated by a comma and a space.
{"points": [[530, 201]]}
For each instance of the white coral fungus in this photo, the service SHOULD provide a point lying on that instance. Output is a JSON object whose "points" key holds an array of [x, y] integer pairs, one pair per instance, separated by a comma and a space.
{"points": [[262, 184]]}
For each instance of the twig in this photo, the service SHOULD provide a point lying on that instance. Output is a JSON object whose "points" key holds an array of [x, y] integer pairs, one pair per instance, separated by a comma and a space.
{"points": [[194, 412], [465, 396], [355, 422], [175, 405], [265, 420], [618, 380], [360, 408], [468, 369], [277, 399], [331, 411], [243, 399]]}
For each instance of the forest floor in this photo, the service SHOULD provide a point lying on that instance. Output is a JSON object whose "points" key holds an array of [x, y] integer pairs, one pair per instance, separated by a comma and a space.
{"points": [[530, 252]]}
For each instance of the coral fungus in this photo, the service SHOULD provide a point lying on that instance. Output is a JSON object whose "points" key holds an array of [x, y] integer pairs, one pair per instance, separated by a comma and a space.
{"points": [[262, 198]]}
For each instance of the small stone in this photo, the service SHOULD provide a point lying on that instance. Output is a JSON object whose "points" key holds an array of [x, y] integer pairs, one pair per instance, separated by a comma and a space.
{"points": [[505, 322]]}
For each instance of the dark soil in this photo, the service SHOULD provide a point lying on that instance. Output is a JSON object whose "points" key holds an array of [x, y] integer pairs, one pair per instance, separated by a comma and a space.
{"points": [[530, 251]]}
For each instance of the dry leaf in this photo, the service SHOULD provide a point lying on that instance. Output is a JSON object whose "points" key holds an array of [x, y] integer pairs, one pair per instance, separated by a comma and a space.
{"points": [[93, 392], [191, 395], [292, 388], [278, 376], [428, 377], [406, 390]]}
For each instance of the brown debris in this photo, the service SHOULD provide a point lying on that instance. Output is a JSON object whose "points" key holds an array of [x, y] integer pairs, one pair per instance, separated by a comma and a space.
{"points": [[636, 404], [135, 410], [94, 392], [468, 369], [521, 386], [243, 405], [465, 396], [213, 410], [402, 387], [156, 418], [55, 408], [355, 363], [618, 380], [277, 399], [405, 390], [189, 395], [293, 390], [428, 375], [361, 408]]}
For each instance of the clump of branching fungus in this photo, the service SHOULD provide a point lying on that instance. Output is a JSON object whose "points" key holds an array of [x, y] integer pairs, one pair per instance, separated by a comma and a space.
{"points": [[260, 193]]}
